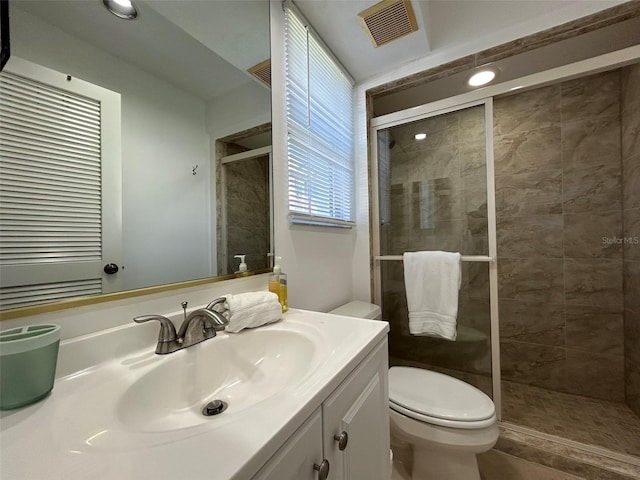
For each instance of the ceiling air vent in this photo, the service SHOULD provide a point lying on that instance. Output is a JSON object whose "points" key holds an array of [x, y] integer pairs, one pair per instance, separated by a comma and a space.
{"points": [[262, 72], [388, 20]]}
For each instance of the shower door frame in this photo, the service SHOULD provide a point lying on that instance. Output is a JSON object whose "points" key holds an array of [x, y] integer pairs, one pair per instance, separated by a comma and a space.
{"points": [[429, 111]]}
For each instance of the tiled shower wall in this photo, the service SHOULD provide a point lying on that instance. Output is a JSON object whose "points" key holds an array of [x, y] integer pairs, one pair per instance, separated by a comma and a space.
{"points": [[631, 219], [559, 211]]}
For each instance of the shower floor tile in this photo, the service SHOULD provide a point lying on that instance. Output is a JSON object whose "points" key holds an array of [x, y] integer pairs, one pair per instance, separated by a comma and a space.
{"points": [[587, 420]]}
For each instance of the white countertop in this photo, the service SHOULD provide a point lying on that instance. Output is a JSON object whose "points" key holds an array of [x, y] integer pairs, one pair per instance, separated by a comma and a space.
{"points": [[74, 434]]}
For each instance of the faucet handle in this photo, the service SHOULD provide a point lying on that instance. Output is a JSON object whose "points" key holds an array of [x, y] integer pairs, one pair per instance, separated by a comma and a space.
{"points": [[167, 338]]}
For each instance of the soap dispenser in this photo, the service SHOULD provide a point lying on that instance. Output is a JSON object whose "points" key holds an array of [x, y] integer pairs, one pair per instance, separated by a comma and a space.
{"points": [[242, 269], [278, 284]]}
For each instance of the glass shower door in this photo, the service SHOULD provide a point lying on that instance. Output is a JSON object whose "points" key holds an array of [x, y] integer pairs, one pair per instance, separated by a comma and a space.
{"points": [[432, 184]]}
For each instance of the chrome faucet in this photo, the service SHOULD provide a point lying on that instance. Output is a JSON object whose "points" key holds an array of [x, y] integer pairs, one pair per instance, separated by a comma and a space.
{"points": [[200, 325]]}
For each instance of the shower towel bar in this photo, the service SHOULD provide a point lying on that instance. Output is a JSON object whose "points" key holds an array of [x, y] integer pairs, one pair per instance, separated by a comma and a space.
{"points": [[463, 258]]}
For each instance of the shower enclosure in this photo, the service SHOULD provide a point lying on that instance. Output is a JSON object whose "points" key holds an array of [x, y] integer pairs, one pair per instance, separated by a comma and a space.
{"points": [[539, 190]]}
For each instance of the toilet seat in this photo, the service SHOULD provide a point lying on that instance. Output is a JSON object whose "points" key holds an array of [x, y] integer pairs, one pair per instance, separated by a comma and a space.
{"points": [[439, 399]]}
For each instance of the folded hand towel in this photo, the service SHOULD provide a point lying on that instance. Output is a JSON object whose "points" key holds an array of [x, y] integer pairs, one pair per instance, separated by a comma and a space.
{"points": [[250, 310], [432, 281]]}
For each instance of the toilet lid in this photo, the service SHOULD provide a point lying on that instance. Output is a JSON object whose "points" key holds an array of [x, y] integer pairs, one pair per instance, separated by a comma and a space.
{"points": [[439, 396]]}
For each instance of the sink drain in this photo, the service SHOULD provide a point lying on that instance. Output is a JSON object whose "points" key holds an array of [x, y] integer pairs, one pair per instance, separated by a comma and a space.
{"points": [[214, 407]]}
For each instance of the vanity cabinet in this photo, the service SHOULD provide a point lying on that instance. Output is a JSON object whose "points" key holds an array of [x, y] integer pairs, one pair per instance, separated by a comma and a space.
{"points": [[349, 432]]}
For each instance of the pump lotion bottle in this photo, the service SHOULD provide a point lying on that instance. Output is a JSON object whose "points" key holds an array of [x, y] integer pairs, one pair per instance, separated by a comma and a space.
{"points": [[278, 284]]}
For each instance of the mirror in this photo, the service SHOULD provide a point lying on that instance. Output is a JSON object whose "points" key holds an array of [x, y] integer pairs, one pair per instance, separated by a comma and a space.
{"points": [[193, 80]]}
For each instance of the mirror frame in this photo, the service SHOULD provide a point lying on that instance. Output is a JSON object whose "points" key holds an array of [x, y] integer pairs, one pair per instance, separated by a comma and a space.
{"points": [[109, 297]]}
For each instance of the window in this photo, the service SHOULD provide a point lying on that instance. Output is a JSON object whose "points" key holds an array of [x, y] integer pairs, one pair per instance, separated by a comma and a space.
{"points": [[320, 128]]}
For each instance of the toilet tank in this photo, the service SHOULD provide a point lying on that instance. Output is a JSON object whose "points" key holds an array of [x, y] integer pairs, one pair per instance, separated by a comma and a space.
{"points": [[359, 309]]}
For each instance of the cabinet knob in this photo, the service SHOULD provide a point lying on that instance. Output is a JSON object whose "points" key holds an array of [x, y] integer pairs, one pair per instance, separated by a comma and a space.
{"points": [[322, 469], [342, 439]]}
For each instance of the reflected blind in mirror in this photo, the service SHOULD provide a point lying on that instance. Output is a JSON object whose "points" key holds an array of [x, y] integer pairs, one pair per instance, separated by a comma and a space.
{"points": [[50, 190], [319, 129]]}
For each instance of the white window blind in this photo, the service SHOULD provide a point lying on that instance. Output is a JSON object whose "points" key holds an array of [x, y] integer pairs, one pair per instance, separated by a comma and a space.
{"points": [[319, 129], [50, 191]]}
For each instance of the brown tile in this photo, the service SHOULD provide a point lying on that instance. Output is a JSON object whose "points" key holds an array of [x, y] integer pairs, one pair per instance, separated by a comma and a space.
{"points": [[590, 142], [475, 279], [441, 131], [441, 161], [631, 182], [579, 418], [473, 162], [632, 285], [593, 281], [530, 236], [592, 235], [631, 237], [495, 465], [630, 99], [535, 109], [529, 194], [632, 383], [528, 151], [596, 332], [532, 322], [533, 364], [592, 189], [475, 312], [472, 125], [595, 375], [473, 244], [399, 220], [630, 88], [534, 280], [595, 96], [446, 235], [631, 133], [632, 336], [439, 200]]}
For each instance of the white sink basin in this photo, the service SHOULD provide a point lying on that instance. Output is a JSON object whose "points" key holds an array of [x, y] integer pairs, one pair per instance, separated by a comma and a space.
{"points": [[241, 370]]}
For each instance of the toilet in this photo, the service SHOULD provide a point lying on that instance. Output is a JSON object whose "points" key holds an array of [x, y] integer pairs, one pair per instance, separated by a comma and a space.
{"points": [[446, 421]]}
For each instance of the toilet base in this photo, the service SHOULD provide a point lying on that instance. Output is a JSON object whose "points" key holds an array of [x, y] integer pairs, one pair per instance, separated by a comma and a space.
{"points": [[441, 453], [443, 465]]}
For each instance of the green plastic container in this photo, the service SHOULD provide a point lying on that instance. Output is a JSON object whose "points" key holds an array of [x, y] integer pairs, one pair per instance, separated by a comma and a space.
{"points": [[28, 359]]}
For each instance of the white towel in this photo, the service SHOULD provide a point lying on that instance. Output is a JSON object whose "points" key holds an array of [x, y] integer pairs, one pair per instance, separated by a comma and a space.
{"points": [[250, 310], [432, 281]]}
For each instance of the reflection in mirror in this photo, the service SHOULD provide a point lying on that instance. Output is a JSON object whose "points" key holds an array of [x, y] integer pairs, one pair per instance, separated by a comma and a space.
{"points": [[243, 201], [182, 73]]}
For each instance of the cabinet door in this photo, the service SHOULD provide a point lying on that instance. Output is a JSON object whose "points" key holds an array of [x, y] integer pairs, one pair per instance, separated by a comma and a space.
{"points": [[296, 458], [359, 408]]}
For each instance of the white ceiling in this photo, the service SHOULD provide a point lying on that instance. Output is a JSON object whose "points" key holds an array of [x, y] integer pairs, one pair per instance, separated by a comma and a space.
{"points": [[222, 34], [158, 39], [443, 25]]}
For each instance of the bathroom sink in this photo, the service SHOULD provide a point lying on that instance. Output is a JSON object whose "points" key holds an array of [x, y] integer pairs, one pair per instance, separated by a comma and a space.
{"points": [[239, 369]]}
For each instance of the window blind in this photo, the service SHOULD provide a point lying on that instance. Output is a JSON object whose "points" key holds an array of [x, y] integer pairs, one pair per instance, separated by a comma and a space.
{"points": [[319, 129]]}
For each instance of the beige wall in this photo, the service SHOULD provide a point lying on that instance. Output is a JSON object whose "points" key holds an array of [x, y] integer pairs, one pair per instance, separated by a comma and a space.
{"points": [[558, 198], [631, 218]]}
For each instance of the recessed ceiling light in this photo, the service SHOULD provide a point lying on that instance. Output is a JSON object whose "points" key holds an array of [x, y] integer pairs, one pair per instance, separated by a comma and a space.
{"points": [[121, 8], [420, 136], [482, 77]]}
